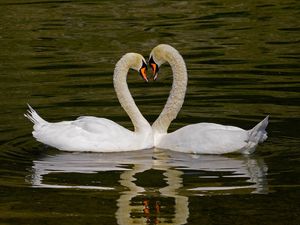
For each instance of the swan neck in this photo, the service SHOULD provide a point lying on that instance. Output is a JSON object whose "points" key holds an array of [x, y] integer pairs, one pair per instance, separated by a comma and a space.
{"points": [[125, 98], [177, 93]]}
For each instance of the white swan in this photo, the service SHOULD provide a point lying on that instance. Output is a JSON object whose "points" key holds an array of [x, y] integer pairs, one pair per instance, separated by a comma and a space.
{"points": [[94, 134], [206, 138]]}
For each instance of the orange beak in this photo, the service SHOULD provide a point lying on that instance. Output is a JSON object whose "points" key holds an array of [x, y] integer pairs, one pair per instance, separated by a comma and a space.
{"points": [[154, 68], [143, 73]]}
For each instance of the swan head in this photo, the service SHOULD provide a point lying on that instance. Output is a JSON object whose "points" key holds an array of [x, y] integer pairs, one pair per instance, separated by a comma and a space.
{"points": [[138, 63], [158, 56]]}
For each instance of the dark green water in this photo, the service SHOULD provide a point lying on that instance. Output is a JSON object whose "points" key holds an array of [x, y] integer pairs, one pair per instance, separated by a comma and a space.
{"points": [[243, 64]]}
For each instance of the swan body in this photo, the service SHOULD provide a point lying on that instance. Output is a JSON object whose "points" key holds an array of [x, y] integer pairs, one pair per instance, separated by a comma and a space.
{"points": [[203, 138], [88, 133], [210, 138]]}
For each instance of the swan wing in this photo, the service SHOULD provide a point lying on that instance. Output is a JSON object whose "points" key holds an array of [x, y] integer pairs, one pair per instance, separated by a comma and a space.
{"points": [[205, 138], [98, 125], [86, 134]]}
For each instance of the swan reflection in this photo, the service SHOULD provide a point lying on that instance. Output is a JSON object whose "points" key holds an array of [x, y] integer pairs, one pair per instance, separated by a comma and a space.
{"points": [[181, 175]]}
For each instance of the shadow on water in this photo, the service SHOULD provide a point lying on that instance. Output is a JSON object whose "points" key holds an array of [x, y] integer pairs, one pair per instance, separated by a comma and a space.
{"points": [[212, 175]]}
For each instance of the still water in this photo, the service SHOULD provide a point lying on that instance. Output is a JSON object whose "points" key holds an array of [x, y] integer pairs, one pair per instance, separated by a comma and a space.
{"points": [[243, 64]]}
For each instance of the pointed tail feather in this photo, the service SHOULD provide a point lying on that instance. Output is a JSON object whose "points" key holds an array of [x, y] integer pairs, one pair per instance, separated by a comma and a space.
{"points": [[34, 117], [258, 134]]}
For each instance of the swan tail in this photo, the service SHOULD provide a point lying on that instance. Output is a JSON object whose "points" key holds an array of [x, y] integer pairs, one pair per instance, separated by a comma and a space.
{"points": [[34, 117], [258, 134]]}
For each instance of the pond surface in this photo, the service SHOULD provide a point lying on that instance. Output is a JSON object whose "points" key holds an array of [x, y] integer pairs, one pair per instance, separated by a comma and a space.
{"points": [[243, 64]]}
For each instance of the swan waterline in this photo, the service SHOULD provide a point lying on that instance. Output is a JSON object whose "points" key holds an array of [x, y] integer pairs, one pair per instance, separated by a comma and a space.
{"points": [[92, 134], [201, 138]]}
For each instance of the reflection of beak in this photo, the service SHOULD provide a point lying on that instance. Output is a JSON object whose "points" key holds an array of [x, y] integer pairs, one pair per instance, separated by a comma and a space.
{"points": [[143, 73], [157, 206], [154, 68]]}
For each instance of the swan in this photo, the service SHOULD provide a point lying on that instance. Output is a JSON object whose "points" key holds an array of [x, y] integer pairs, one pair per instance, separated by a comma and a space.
{"points": [[202, 138], [92, 134]]}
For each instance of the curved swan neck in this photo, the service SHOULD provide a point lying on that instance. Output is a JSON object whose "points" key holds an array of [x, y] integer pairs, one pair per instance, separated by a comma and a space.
{"points": [[124, 96], [177, 93]]}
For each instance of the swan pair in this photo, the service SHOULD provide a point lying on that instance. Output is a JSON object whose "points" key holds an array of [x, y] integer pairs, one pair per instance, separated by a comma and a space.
{"points": [[94, 134]]}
